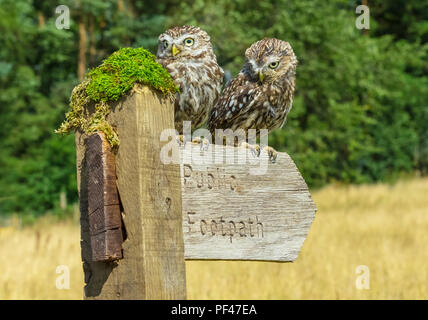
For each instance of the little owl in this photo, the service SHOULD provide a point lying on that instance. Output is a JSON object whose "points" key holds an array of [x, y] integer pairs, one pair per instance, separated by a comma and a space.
{"points": [[187, 54], [261, 95]]}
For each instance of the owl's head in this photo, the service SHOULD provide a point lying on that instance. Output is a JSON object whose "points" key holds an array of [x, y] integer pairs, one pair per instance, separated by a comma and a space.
{"points": [[270, 59], [183, 42]]}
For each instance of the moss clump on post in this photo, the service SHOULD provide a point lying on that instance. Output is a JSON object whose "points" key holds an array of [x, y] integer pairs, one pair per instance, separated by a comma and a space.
{"points": [[108, 83]]}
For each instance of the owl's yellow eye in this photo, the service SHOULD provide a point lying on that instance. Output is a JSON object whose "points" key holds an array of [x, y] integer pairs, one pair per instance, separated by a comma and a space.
{"points": [[165, 44], [273, 65], [188, 42]]}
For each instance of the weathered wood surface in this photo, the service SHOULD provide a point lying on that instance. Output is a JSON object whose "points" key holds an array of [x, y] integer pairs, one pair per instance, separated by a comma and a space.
{"points": [[238, 206], [150, 192], [105, 223]]}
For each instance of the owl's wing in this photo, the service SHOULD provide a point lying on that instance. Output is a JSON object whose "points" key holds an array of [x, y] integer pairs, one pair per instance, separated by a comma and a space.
{"points": [[287, 110], [237, 99]]}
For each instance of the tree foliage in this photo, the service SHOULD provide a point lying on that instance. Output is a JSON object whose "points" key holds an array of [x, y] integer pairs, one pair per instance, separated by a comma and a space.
{"points": [[360, 112]]}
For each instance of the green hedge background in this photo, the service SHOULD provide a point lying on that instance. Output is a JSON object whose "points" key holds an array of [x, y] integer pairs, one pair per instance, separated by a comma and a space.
{"points": [[361, 107]]}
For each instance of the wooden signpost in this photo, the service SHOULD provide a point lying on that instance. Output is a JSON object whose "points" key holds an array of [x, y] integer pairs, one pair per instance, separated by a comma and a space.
{"points": [[221, 203], [231, 212]]}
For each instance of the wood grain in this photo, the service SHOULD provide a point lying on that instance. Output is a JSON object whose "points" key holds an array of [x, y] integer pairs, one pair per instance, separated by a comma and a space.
{"points": [[240, 207], [153, 252], [103, 200]]}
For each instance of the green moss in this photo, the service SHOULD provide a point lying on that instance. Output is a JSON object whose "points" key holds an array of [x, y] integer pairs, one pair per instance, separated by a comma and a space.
{"points": [[107, 83], [122, 69]]}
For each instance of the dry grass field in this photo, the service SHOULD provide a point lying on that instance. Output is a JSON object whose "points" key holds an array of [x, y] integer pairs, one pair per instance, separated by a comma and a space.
{"points": [[384, 227]]}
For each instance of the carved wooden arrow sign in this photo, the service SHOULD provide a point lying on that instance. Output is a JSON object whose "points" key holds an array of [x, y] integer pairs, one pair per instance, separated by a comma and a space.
{"points": [[240, 207]]}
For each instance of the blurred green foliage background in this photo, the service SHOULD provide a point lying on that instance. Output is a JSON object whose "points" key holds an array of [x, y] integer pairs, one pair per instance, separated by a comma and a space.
{"points": [[361, 107]]}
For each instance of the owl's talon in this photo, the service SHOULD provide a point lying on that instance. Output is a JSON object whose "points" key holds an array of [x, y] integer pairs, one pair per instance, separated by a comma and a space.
{"points": [[254, 148], [272, 153], [203, 143], [181, 140]]}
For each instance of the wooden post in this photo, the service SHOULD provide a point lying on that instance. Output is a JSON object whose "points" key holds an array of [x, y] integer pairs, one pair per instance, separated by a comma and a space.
{"points": [[150, 193]]}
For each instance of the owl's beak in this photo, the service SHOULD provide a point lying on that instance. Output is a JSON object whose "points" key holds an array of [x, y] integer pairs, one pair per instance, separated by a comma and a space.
{"points": [[261, 76], [174, 50]]}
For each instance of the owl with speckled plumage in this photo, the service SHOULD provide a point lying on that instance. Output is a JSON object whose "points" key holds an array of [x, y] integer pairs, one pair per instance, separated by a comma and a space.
{"points": [[187, 54], [261, 95]]}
